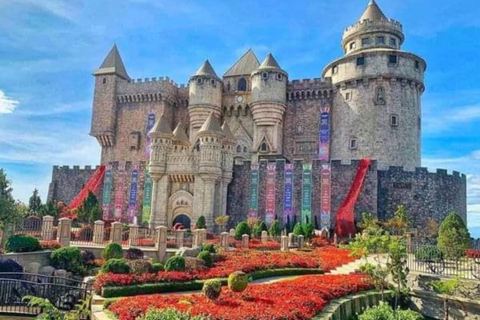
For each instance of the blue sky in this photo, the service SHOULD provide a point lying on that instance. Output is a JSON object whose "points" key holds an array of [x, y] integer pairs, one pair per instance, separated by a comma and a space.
{"points": [[49, 48]]}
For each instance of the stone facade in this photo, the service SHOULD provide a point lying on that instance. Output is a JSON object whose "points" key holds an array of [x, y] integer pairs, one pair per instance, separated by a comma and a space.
{"points": [[68, 181], [373, 96]]}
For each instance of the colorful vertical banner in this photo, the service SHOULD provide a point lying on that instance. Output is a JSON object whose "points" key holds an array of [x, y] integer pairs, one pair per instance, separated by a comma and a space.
{"points": [[119, 193], [270, 197], [307, 193], [253, 211], [107, 193], [288, 195], [326, 196], [147, 198], [324, 143], [150, 124], [132, 201]]}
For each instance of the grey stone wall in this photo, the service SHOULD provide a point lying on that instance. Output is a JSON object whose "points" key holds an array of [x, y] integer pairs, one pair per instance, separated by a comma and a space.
{"points": [[67, 182]]}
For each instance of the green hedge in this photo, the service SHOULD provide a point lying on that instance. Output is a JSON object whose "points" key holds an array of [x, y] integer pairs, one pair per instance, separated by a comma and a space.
{"points": [[163, 287]]}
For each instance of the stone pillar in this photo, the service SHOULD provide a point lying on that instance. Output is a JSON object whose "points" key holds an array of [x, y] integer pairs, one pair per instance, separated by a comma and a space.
{"points": [[116, 233], [300, 241], [224, 239], [232, 233], [159, 202], [264, 236], [335, 239], [245, 239], [291, 239], [202, 236], [133, 236], [47, 228], [98, 232], [161, 243], [64, 231], [195, 239], [209, 201], [284, 243], [179, 237]]}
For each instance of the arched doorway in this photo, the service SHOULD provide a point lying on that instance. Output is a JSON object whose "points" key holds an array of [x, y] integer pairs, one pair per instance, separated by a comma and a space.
{"points": [[183, 219]]}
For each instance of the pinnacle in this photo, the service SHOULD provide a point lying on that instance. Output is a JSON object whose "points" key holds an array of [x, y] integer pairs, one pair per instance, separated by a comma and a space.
{"points": [[269, 63], [373, 12], [162, 126], [179, 133], [211, 124], [245, 65], [113, 64], [206, 69], [228, 133]]}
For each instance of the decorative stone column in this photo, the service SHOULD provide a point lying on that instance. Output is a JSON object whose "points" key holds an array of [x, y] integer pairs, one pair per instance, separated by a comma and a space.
{"points": [[291, 239], [284, 243], [245, 239], [232, 233], [264, 236], [116, 233], [64, 231], [202, 236], [195, 239], [133, 236], [161, 242], [47, 228], [98, 232], [335, 239], [179, 238], [300, 241], [224, 239]]}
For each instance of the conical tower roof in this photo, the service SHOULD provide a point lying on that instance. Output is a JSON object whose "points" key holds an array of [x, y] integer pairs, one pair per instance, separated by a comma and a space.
{"points": [[244, 66], [227, 132], [269, 63], [211, 124], [180, 135], [161, 127], [373, 12], [206, 69], [113, 64]]}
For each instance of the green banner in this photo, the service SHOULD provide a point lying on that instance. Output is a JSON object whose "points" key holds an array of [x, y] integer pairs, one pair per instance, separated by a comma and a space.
{"points": [[307, 193], [107, 191], [147, 198], [253, 210]]}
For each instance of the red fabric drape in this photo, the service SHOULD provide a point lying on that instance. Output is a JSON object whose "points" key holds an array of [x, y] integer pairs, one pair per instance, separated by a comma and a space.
{"points": [[93, 184], [345, 219]]}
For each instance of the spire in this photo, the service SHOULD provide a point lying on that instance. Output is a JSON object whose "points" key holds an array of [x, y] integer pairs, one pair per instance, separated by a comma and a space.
{"points": [[161, 127], [227, 132], [211, 124], [113, 64], [373, 12], [206, 70], [180, 135], [269, 63], [244, 66]]}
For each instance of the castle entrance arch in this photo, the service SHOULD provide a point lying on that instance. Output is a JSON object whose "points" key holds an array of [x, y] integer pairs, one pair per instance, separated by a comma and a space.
{"points": [[180, 208], [183, 219]]}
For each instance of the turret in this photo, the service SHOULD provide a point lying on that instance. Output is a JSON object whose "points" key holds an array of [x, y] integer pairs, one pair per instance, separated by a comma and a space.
{"points": [[180, 138], [210, 136], [161, 138], [205, 97], [268, 104], [229, 142], [104, 115]]}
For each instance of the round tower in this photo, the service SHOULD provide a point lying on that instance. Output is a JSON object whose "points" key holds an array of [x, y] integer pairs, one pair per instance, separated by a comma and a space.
{"points": [[205, 96], [377, 94], [268, 104], [162, 138]]}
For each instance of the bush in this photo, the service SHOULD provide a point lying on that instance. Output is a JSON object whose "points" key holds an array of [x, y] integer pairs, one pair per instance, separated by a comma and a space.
{"points": [[212, 289], [22, 243], [133, 254], [275, 229], [175, 263], [9, 265], [169, 314], [140, 266], [115, 266], [237, 281], [67, 258], [85, 233], [257, 231], [209, 247], [87, 257], [308, 230], [453, 236], [429, 253], [298, 230], [385, 312], [200, 224], [206, 257], [241, 229], [112, 251], [157, 267]]}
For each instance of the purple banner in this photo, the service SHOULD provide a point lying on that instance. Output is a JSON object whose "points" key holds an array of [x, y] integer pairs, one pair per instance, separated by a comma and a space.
{"points": [[150, 124], [132, 203], [270, 197], [324, 145], [119, 193], [288, 196]]}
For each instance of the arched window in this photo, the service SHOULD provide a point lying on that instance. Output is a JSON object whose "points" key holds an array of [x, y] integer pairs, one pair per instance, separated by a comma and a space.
{"points": [[239, 149], [242, 85], [245, 149], [380, 95], [197, 146], [228, 87], [264, 146]]}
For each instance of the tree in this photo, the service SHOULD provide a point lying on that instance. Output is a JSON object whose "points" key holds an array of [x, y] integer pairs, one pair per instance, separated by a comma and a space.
{"points": [[453, 236], [275, 229], [5, 189], [34, 203], [9, 210], [90, 210], [49, 209], [200, 224], [377, 276], [397, 266], [399, 223], [257, 230], [446, 288]]}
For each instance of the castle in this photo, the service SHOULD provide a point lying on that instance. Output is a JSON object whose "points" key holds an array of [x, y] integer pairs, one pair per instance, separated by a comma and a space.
{"points": [[255, 143]]}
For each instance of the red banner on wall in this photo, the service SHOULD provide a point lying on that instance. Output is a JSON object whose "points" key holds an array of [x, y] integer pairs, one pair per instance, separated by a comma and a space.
{"points": [[270, 197]]}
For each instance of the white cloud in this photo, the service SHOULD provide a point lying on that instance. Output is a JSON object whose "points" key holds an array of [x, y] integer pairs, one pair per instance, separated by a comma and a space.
{"points": [[7, 104], [437, 122]]}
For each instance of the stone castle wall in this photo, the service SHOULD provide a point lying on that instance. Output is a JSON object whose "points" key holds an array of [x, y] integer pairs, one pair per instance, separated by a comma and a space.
{"points": [[68, 181]]}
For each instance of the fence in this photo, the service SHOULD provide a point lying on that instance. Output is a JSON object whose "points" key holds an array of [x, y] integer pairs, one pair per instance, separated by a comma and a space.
{"points": [[425, 256]]}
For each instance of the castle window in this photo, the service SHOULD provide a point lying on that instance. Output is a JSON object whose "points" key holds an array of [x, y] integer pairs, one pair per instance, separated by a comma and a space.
{"points": [[134, 140], [365, 42], [353, 144], [360, 61], [263, 146], [335, 69], [352, 45], [245, 149], [212, 82], [279, 76], [199, 81], [380, 40], [228, 87], [380, 96], [104, 81], [394, 120], [393, 42], [392, 59], [417, 64], [242, 85], [348, 96], [239, 149], [265, 75]]}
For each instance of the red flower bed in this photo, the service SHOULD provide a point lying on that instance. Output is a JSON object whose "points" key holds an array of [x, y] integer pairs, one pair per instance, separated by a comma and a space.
{"points": [[473, 253], [297, 299], [247, 261]]}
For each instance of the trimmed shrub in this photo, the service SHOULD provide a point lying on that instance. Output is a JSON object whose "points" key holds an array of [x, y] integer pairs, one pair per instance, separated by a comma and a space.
{"points": [[169, 314], [209, 247], [112, 251], [429, 253], [175, 263], [9, 265], [257, 231], [22, 243], [212, 289], [308, 230], [201, 223], [115, 266], [385, 312], [157, 267], [207, 257], [453, 236], [133, 254], [67, 258], [85, 233], [241, 229], [275, 229], [237, 281], [87, 257], [298, 230], [140, 266]]}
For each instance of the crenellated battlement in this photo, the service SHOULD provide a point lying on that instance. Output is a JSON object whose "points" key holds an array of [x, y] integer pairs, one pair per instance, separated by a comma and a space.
{"points": [[384, 25], [155, 79], [303, 89], [74, 168]]}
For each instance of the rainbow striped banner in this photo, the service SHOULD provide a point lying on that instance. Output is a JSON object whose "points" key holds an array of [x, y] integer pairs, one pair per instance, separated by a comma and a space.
{"points": [[270, 197], [147, 198], [149, 126], [324, 143], [132, 203], [288, 195], [107, 193], [253, 211], [119, 193], [326, 196], [307, 193]]}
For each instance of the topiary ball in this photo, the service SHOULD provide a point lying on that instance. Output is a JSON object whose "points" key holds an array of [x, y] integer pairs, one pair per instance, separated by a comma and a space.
{"points": [[157, 267], [175, 263], [22, 243], [209, 247], [241, 229], [133, 254], [68, 258], [115, 266], [212, 289], [139, 266], [237, 281], [112, 251], [206, 257]]}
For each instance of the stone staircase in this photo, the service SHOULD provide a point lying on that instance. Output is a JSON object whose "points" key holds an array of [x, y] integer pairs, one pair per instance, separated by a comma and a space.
{"points": [[354, 266]]}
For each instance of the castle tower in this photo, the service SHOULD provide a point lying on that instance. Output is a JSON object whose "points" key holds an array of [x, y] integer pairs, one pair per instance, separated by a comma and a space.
{"points": [[268, 104], [205, 96], [104, 115], [377, 94]]}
